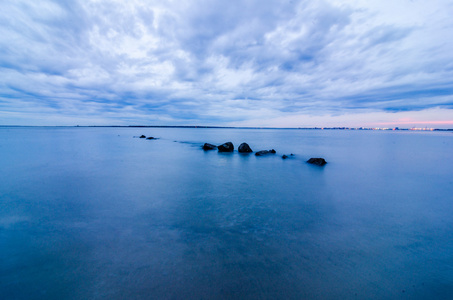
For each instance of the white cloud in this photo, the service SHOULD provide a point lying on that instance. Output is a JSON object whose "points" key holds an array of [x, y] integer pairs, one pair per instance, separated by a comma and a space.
{"points": [[216, 62]]}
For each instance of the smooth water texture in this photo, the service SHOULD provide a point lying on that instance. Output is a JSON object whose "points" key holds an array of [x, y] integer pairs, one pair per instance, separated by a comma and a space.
{"points": [[94, 213]]}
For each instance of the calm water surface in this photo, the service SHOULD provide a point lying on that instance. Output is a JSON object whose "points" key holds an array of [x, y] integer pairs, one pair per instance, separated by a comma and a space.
{"points": [[93, 213]]}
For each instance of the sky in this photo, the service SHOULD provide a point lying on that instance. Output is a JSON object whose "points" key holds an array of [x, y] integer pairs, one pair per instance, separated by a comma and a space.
{"points": [[307, 63]]}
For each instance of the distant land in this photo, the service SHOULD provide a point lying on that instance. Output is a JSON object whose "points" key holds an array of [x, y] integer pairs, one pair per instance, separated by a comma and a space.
{"points": [[233, 127]]}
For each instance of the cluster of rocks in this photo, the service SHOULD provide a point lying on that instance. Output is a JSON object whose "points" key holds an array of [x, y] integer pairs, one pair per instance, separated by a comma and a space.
{"points": [[228, 147], [245, 148], [148, 138]]}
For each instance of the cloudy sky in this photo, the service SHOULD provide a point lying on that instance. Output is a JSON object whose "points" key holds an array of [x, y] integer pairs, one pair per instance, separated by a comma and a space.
{"points": [[295, 63]]}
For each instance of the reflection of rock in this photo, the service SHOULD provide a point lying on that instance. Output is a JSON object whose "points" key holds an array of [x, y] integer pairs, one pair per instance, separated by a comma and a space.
{"points": [[317, 161], [227, 147], [143, 136], [244, 148], [208, 146], [265, 152]]}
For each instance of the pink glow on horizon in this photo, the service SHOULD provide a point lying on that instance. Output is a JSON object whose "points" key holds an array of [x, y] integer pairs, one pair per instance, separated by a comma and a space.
{"points": [[418, 122]]}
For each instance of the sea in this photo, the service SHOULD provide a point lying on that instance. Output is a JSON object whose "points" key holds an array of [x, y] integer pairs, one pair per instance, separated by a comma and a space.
{"points": [[98, 213]]}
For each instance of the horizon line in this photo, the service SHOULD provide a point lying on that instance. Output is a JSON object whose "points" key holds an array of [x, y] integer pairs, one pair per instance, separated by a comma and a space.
{"points": [[396, 128]]}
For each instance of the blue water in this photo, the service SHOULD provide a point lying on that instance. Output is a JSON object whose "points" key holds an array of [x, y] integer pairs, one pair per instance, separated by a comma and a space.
{"points": [[94, 213]]}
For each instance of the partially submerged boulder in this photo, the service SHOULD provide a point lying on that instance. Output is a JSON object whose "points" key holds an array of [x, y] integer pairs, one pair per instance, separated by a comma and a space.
{"points": [[284, 156], [227, 147], [265, 152], [143, 136], [244, 148], [317, 161], [208, 146]]}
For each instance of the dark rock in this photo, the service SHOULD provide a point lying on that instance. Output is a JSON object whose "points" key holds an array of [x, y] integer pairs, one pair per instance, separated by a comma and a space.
{"points": [[143, 136], [265, 152], [262, 152], [244, 148], [208, 146], [284, 156], [317, 161], [227, 147], [151, 138]]}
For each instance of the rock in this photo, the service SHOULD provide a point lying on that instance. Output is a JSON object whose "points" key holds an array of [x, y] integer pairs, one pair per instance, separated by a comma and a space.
{"points": [[208, 146], [143, 136], [317, 161], [244, 148], [284, 156], [227, 147], [150, 138], [265, 152]]}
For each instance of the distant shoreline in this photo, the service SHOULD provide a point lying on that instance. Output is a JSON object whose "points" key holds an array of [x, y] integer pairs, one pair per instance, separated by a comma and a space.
{"points": [[232, 127]]}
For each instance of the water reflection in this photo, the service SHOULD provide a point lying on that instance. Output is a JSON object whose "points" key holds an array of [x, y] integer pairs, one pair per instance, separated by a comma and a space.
{"points": [[96, 214]]}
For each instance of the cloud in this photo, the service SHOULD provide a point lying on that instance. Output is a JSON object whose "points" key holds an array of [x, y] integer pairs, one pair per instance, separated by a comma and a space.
{"points": [[221, 63]]}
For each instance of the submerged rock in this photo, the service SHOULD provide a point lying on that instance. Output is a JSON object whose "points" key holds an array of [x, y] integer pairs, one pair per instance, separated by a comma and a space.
{"points": [[227, 147], [208, 146], [143, 136], [284, 156], [265, 152], [244, 148], [317, 161]]}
